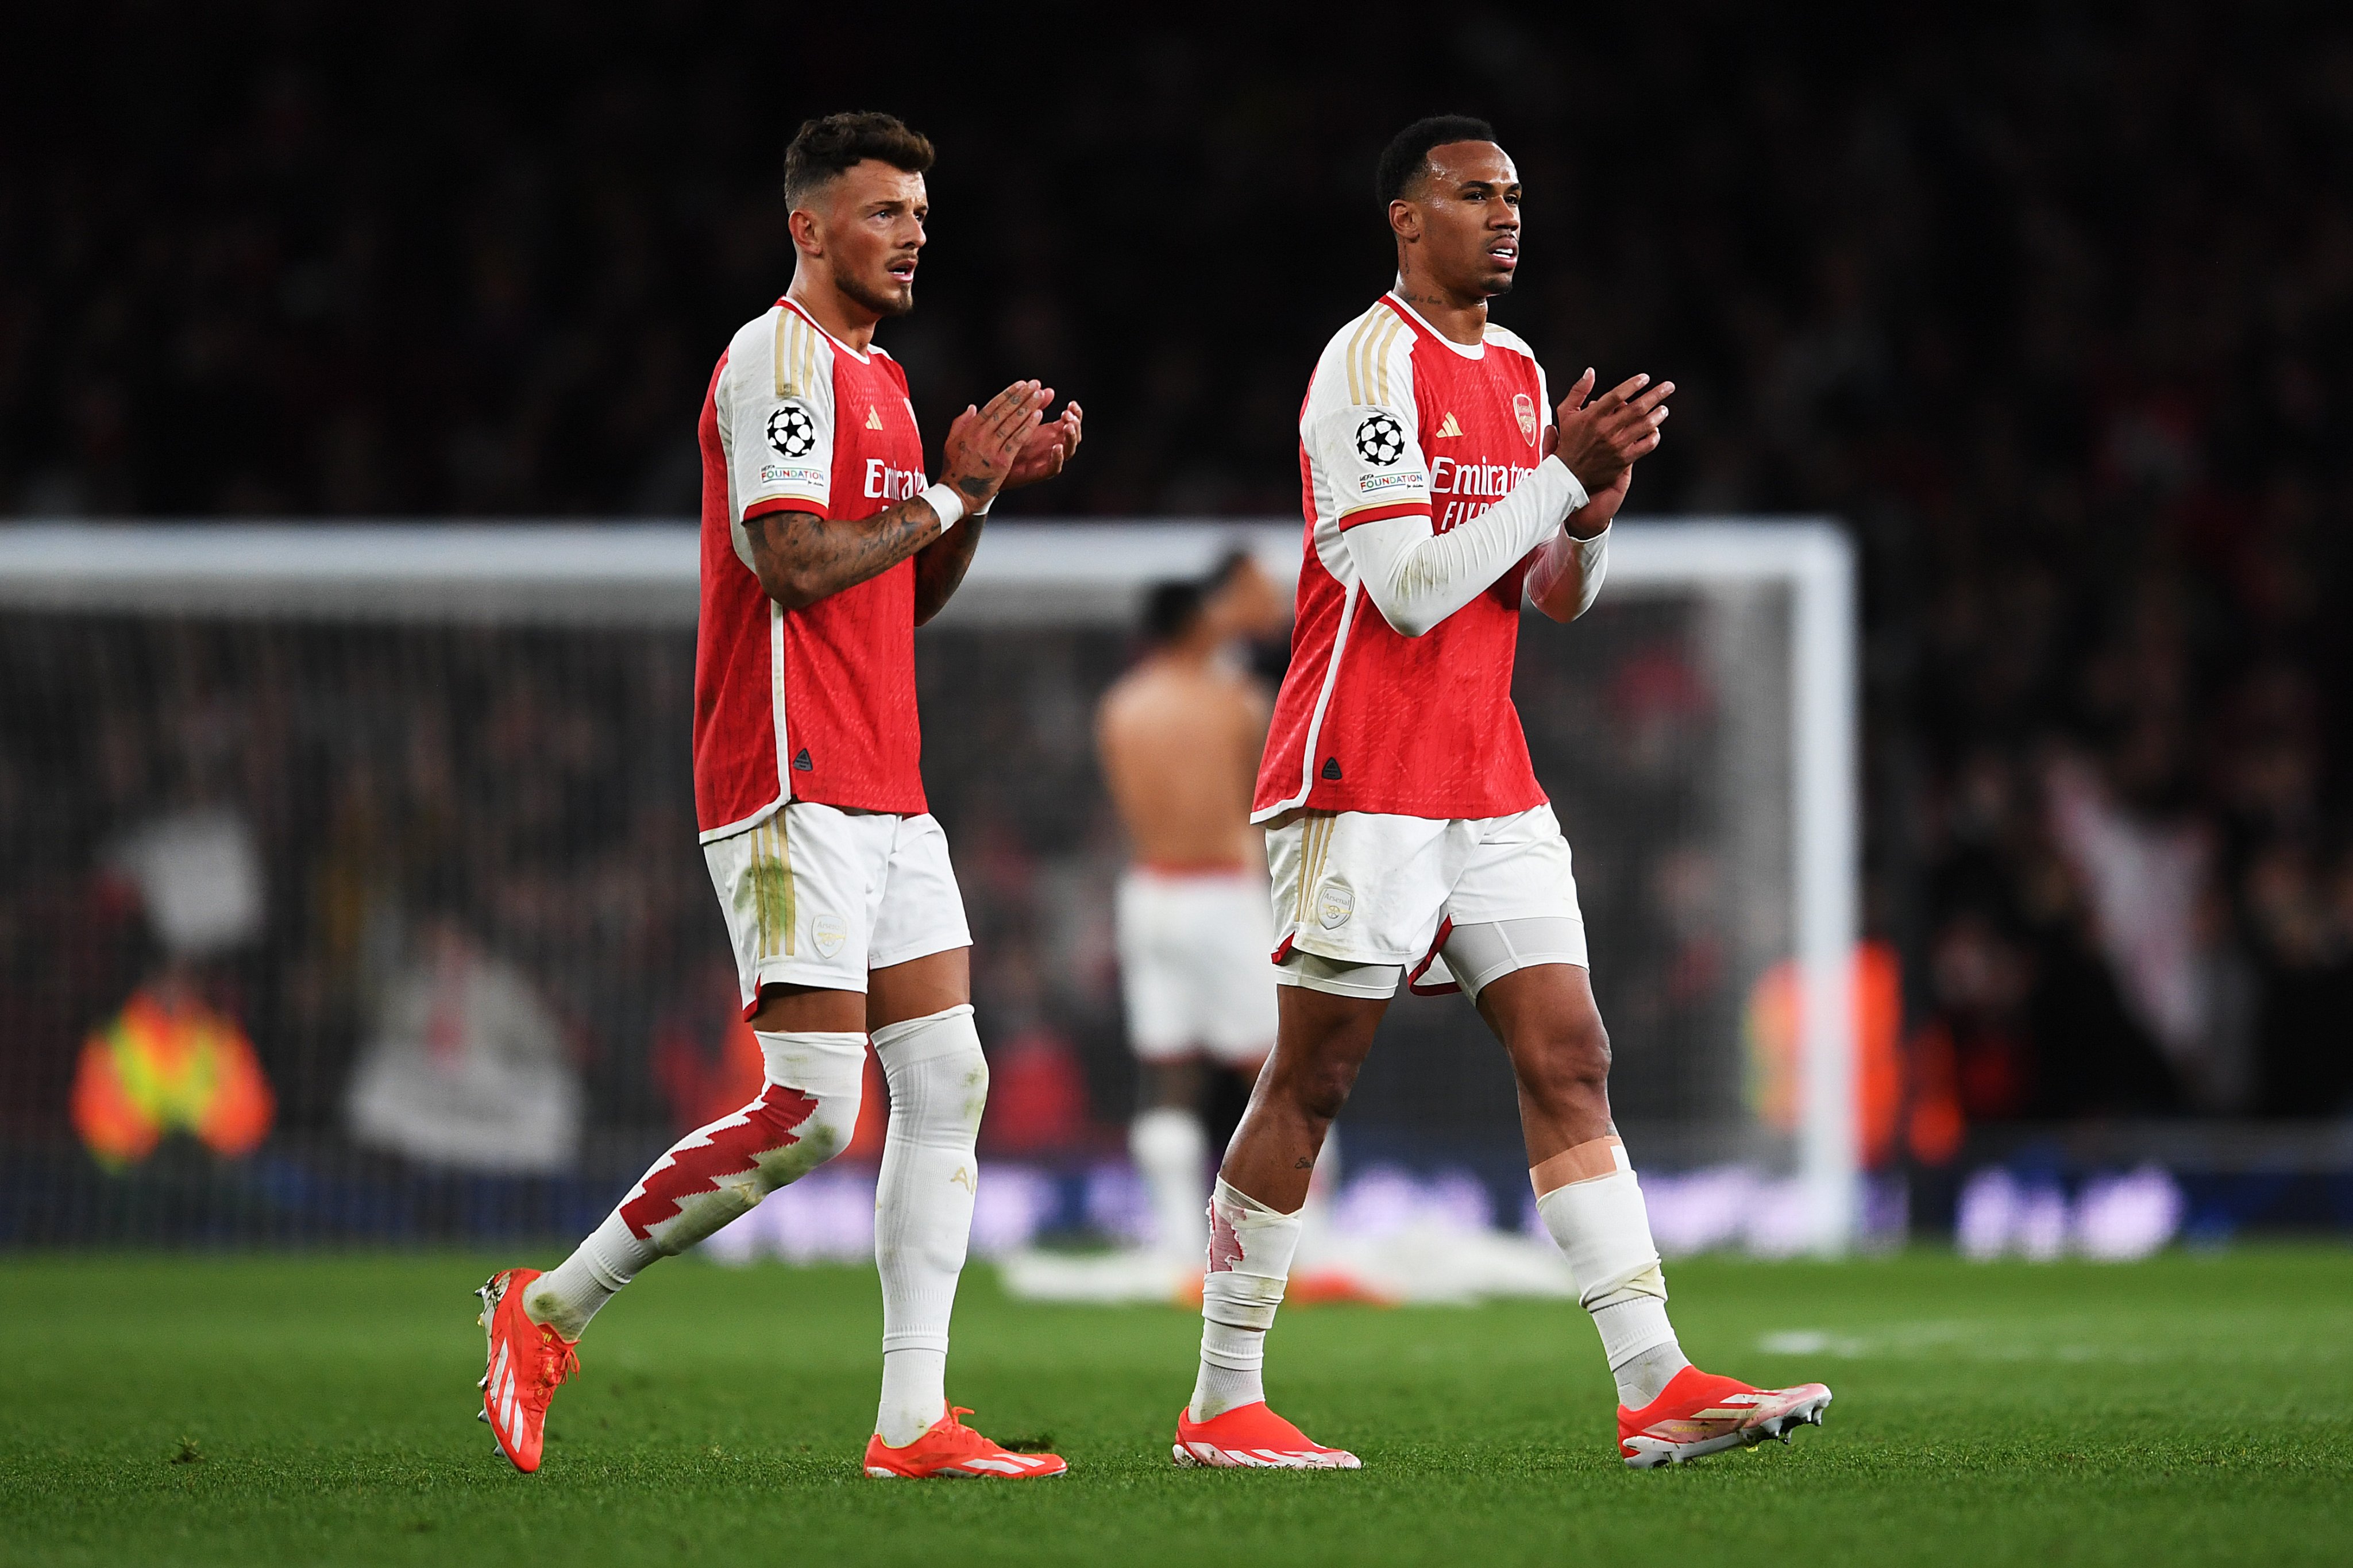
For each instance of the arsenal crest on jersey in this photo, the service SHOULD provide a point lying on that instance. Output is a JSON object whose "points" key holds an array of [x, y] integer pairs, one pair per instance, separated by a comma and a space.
{"points": [[1525, 408]]}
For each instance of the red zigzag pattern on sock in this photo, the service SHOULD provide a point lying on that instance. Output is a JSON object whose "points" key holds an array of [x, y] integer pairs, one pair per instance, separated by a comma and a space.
{"points": [[771, 1122]]}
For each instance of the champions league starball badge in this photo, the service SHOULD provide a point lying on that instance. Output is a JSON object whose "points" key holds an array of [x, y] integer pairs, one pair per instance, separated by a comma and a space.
{"points": [[1380, 439], [791, 429]]}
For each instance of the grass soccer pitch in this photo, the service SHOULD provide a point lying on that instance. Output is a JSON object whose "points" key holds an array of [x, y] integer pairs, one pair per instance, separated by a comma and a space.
{"points": [[179, 1409]]}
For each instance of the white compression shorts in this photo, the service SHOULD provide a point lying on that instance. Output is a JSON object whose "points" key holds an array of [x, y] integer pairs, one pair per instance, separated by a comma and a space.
{"points": [[1362, 897], [1474, 956]]}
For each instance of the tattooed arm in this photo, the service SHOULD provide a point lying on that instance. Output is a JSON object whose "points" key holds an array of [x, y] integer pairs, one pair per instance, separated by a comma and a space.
{"points": [[801, 558]]}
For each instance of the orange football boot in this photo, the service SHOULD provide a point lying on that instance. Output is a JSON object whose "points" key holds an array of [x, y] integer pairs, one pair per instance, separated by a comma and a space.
{"points": [[527, 1361], [1699, 1412], [949, 1447], [1252, 1437]]}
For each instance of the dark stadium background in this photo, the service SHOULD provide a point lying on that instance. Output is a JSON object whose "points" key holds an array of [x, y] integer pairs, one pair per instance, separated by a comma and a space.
{"points": [[2053, 308]]}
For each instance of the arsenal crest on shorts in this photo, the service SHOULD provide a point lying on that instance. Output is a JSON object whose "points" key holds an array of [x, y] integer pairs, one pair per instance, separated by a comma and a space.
{"points": [[1525, 408]]}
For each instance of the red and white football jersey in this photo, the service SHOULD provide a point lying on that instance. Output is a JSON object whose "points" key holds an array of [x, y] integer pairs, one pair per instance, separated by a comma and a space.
{"points": [[1400, 420], [818, 703]]}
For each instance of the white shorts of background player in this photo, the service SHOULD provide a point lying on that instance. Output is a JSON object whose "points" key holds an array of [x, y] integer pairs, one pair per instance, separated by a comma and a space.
{"points": [[1192, 964], [818, 896], [1368, 888]]}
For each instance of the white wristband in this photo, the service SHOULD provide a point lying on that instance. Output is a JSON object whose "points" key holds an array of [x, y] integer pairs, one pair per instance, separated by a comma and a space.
{"points": [[947, 504]]}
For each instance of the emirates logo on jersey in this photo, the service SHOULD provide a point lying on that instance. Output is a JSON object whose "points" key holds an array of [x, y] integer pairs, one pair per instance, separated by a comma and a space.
{"points": [[1525, 407], [884, 482]]}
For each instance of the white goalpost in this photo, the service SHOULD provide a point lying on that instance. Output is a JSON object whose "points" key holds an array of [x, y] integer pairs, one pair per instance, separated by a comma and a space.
{"points": [[1721, 660]]}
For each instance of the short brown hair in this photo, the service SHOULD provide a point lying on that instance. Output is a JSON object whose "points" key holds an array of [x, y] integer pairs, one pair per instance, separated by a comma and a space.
{"points": [[824, 149]]}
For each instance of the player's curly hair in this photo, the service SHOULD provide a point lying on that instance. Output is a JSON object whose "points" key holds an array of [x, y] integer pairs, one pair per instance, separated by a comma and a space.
{"points": [[1407, 157], [824, 149]]}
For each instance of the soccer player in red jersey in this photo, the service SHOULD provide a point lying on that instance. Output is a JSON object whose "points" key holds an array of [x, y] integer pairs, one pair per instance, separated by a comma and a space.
{"points": [[1406, 834], [823, 549]]}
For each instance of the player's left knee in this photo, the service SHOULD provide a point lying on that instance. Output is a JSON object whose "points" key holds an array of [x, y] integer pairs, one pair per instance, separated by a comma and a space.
{"points": [[825, 1131], [939, 1087], [1570, 1058], [937, 1072], [808, 1112], [1318, 1087], [1589, 1045]]}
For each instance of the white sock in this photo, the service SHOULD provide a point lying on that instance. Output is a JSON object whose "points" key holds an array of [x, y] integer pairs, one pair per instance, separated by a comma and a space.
{"points": [[571, 1293], [1592, 1204], [1642, 1375], [1250, 1260], [802, 1117], [1170, 1150], [922, 1207], [914, 1381]]}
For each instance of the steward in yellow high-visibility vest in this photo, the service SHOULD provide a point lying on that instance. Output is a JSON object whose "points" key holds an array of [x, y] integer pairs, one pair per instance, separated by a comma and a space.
{"points": [[169, 1064]]}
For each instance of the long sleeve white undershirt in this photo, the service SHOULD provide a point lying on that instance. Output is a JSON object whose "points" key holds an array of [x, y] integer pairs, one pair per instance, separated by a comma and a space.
{"points": [[1417, 577], [1588, 558]]}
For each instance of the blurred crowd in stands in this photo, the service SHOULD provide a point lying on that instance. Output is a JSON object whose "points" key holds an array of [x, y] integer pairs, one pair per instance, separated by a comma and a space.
{"points": [[441, 883], [414, 811], [2054, 310]]}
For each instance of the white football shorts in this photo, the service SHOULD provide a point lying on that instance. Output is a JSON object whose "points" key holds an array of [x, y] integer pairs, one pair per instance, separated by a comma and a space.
{"points": [[1192, 964], [1359, 886], [818, 896]]}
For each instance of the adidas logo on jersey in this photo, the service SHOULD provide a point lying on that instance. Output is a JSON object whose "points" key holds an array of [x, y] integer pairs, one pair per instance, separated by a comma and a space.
{"points": [[801, 763], [1450, 427], [873, 418], [1331, 767]]}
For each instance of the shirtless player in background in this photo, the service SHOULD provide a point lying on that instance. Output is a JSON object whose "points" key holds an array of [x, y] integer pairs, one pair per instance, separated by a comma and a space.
{"points": [[1180, 735]]}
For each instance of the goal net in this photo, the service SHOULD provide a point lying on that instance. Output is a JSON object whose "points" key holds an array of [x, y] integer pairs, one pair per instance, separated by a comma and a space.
{"points": [[349, 886]]}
